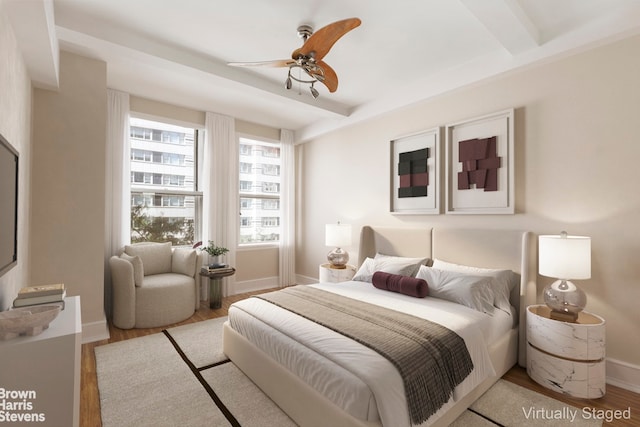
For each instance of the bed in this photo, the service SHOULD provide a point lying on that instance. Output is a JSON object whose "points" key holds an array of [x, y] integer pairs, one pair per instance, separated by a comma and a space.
{"points": [[319, 377]]}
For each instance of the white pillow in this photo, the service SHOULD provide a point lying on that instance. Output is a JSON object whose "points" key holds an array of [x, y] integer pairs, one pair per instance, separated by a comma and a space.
{"points": [[400, 265], [183, 261], [389, 264], [156, 257], [472, 291], [504, 280], [138, 268], [365, 272]]}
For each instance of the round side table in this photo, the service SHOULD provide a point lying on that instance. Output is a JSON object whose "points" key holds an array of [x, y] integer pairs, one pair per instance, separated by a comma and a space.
{"points": [[326, 274], [215, 284]]}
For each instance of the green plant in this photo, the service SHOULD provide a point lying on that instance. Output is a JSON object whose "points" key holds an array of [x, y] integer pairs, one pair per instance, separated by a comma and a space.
{"points": [[146, 228], [214, 250]]}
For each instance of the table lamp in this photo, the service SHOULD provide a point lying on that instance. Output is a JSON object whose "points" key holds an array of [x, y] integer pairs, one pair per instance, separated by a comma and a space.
{"points": [[564, 257], [338, 235]]}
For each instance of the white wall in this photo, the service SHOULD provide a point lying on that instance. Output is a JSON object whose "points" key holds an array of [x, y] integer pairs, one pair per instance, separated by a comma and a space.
{"points": [[15, 126], [577, 152], [68, 202]]}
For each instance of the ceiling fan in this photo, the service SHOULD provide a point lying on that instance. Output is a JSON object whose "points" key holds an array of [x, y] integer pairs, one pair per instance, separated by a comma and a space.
{"points": [[308, 58]]}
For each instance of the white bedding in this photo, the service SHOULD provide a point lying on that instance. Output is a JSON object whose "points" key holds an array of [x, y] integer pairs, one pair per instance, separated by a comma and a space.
{"points": [[354, 377]]}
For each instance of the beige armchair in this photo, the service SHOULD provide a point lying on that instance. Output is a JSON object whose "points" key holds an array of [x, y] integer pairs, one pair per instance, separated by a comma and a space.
{"points": [[154, 285]]}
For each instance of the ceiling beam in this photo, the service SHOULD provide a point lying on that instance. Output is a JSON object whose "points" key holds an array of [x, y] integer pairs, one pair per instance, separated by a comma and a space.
{"points": [[34, 27], [135, 45], [507, 21]]}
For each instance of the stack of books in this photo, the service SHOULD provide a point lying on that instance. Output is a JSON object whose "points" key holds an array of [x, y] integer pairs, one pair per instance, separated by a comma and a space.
{"points": [[218, 268], [43, 294]]}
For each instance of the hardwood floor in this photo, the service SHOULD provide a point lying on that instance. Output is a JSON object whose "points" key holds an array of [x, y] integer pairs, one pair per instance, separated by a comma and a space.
{"points": [[615, 399]]}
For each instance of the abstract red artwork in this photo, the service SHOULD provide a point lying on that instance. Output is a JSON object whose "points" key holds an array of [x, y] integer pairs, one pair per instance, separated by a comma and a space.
{"points": [[480, 164]]}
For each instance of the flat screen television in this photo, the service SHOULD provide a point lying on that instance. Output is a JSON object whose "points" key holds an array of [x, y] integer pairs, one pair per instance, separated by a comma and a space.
{"points": [[8, 206]]}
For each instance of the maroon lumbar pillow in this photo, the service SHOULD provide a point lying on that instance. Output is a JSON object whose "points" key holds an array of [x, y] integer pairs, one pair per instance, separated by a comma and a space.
{"points": [[402, 284]]}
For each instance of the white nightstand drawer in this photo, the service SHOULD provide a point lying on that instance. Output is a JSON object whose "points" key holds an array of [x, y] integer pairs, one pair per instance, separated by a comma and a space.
{"points": [[583, 340], [327, 274], [578, 379], [566, 357]]}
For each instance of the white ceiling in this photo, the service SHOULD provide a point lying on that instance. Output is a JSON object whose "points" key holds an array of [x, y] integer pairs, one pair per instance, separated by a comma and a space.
{"points": [[405, 51]]}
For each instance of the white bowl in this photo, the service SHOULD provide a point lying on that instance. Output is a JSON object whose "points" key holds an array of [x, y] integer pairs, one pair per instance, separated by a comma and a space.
{"points": [[27, 320]]}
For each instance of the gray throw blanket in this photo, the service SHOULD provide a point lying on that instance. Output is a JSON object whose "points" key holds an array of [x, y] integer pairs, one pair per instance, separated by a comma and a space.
{"points": [[431, 359]]}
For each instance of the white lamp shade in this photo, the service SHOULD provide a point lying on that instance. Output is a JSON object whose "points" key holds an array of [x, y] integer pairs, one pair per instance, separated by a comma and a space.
{"points": [[564, 257], [338, 235]]}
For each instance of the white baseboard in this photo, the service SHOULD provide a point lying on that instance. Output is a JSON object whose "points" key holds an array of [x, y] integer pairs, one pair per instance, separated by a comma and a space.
{"points": [[95, 331], [305, 280], [254, 285], [259, 284], [624, 375]]}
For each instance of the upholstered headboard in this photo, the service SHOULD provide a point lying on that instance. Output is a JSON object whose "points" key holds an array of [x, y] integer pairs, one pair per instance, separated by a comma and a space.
{"points": [[408, 242], [500, 249]]}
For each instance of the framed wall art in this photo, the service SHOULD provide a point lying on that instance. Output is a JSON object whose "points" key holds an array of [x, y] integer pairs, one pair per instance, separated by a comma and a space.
{"points": [[415, 174], [480, 165]]}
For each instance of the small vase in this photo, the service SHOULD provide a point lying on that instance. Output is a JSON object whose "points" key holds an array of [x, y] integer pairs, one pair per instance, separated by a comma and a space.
{"points": [[215, 261]]}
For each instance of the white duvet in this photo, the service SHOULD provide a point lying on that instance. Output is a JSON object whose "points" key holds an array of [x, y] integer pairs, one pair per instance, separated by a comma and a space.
{"points": [[354, 377]]}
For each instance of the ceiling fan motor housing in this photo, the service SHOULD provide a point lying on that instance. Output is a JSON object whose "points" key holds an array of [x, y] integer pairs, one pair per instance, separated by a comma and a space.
{"points": [[305, 31]]}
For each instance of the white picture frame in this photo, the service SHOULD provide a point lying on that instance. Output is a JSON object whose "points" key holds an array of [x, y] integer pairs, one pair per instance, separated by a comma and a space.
{"points": [[500, 199], [428, 204]]}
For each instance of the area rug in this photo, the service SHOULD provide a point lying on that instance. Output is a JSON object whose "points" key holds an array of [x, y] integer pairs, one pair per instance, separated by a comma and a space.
{"points": [[182, 377]]}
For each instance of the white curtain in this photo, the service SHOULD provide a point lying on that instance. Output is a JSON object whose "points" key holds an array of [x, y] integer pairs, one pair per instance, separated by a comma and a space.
{"points": [[287, 253], [118, 171], [117, 190], [220, 189]]}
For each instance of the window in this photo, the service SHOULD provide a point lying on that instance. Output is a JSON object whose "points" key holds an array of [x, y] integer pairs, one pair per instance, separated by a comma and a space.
{"points": [[165, 202], [141, 155], [271, 187], [245, 203], [259, 179], [270, 221], [246, 167], [271, 169], [270, 204]]}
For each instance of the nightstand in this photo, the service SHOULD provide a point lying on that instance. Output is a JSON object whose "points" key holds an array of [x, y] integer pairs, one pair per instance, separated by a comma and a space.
{"points": [[333, 275], [566, 357]]}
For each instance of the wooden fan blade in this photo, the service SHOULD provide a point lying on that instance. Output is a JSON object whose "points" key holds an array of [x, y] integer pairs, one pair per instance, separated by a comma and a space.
{"points": [[322, 40], [274, 64], [330, 77]]}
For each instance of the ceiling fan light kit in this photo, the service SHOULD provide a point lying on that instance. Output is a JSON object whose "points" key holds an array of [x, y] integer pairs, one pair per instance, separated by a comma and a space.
{"points": [[308, 58], [314, 71]]}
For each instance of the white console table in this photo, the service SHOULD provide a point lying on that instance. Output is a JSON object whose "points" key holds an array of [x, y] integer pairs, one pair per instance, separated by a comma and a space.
{"points": [[46, 369]]}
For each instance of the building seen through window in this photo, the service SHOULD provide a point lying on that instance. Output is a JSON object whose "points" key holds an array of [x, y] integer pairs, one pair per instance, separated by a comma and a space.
{"points": [[165, 202], [259, 184]]}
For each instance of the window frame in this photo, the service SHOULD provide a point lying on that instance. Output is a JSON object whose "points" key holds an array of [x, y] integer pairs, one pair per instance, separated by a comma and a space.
{"points": [[146, 188], [248, 194]]}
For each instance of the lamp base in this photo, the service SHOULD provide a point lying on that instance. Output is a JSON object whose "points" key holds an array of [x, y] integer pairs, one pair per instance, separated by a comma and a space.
{"points": [[338, 258], [564, 316], [565, 300]]}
